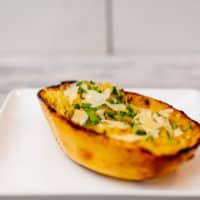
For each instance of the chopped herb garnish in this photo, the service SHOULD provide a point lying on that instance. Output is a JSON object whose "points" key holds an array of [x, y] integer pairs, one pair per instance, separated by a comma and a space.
{"points": [[86, 105], [131, 113], [81, 91], [158, 114], [129, 108], [93, 117], [174, 126], [111, 101], [92, 82], [79, 83], [132, 124], [121, 113], [120, 97], [77, 106], [187, 128], [96, 88], [141, 132], [114, 90], [111, 115], [89, 87], [169, 138], [135, 124], [149, 137]]}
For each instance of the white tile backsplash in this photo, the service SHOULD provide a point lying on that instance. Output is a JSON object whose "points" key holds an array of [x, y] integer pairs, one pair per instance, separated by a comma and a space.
{"points": [[29, 27], [94, 27], [156, 26]]}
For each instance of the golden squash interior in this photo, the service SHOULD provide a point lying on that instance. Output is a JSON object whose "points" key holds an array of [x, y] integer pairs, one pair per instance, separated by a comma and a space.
{"points": [[103, 147]]}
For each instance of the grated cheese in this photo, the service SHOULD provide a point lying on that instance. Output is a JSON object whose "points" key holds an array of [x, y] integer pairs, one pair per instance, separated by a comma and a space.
{"points": [[79, 117], [71, 93]]}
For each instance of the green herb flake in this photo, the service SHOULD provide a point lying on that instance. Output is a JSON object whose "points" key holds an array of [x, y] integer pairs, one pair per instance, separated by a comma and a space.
{"points": [[141, 132], [130, 113], [94, 119], [149, 138], [79, 83], [94, 87], [77, 106], [114, 90], [86, 105], [129, 108], [121, 113], [111, 115], [97, 89], [81, 91], [170, 138], [92, 82], [132, 124], [158, 114], [89, 87], [173, 125], [111, 101], [187, 128], [120, 97]]}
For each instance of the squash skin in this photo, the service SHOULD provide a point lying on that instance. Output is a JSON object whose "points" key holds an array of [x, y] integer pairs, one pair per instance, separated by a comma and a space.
{"points": [[107, 156]]}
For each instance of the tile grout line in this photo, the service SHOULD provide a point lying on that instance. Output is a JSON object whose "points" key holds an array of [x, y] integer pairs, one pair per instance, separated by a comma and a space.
{"points": [[109, 27]]}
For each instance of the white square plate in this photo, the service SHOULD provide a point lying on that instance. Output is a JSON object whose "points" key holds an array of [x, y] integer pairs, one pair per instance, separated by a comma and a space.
{"points": [[31, 162]]}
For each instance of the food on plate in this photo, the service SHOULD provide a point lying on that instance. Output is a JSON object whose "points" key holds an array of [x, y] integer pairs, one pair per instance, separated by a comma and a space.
{"points": [[118, 133]]}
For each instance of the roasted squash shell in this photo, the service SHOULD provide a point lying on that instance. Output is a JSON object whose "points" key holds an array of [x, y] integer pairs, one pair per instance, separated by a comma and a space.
{"points": [[111, 157]]}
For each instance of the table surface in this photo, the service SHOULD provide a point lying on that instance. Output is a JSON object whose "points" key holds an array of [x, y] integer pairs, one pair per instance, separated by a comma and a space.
{"points": [[130, 71]]}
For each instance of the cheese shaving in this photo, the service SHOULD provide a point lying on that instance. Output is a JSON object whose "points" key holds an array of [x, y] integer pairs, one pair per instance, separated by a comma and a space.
{"points": [[95, 98], [116, 107], [79, 117], [71, 93]]}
